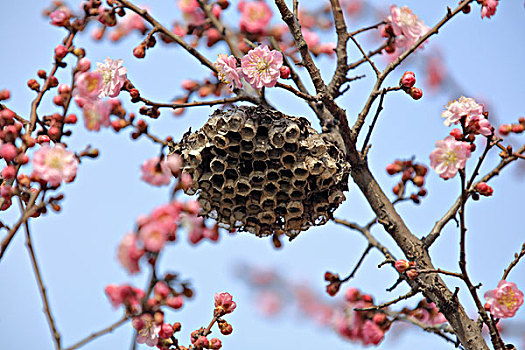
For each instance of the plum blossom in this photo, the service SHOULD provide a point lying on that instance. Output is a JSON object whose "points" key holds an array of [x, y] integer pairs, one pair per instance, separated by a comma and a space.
{"points": [[407, 27], [124, 294], [155, 173], [372, 333], [480, 125], [505, 300], [59, 17], [261, 66], [224, 303], [449, 156], [147, 329], [154, 235], [54, 164], [88, 86], [96, 114], [462, 107], [228, 71], [489, 8], [128, 253], [255, 16], [113, 77]]}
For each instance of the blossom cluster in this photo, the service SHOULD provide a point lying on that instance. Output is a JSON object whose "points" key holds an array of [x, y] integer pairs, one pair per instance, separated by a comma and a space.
{"points": [[261, 67], [452, 153], [404, 27], [92, 86], [159, 228], [410, 172]]}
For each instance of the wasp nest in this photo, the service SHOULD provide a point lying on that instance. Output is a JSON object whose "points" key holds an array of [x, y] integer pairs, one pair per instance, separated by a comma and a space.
{"points": [[261, 171]]}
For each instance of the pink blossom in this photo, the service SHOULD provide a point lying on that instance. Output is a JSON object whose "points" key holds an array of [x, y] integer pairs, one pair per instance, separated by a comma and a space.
{"points": [[372, 333], [191, 11], [260, 66], [505, 300], [463, 107], [479, 125], [175, 302], [55, 164], [228, 71], [96, 114], [147, 329], [174, 163], [155, 173], [154, 235], [59, 17], [125, 294], [489, 8], [161, 289], [113, 77], [114, 294], [255, 16], [406, 26], [84, 64], [188, 6], [166, 215], [128, 253], [224, 303], [449, 156], [88, 85], [269, 302]]}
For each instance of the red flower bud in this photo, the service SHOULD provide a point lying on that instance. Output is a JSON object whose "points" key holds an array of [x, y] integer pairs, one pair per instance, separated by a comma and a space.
{"points": [[401, 265], [416, 93], [456, 133], [484, 189], [285, 72], [408, 79]]}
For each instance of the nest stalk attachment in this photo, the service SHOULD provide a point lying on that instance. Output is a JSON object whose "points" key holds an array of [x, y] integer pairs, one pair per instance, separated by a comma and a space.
{"points": [[258, 170]]}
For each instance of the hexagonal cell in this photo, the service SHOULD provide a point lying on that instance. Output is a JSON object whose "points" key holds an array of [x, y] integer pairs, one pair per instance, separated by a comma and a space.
{"points": [[277, 138], [243, 187], [292, 133], [248, 130], [234, 137], [266, 217], [217, 180], [235, 122], [295, 208], [268, 204], [217, 165]]}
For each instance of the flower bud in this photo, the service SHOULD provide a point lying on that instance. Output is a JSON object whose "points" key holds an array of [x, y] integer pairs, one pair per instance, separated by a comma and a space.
{"points": [[401, 265], [139, 51], [408, 79], [457, 134], [60, 52], [8, 151], [416, 93], [393, 168], [484, 189], [285, 72]]}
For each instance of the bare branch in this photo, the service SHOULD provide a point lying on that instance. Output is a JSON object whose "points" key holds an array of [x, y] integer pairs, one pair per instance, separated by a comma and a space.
{"points": [[99, 333]]}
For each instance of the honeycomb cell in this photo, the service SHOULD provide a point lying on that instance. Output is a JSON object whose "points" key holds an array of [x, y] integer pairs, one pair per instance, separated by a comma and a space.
{"points": [[258, 170]]}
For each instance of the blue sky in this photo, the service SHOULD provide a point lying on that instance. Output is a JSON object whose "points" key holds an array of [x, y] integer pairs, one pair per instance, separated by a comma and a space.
{"points": [[76, 249]]}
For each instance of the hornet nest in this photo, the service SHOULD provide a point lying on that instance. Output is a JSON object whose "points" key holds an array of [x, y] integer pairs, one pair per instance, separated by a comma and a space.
{"points": [[258, 170]]}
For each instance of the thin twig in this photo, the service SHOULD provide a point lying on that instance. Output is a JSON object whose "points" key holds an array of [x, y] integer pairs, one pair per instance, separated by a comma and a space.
{"points": [[365, 56], [366, 233], [514, 262], [361, 259], [372, 125], [26, 215], [99, 333], [392, 302], [47, 309]]}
